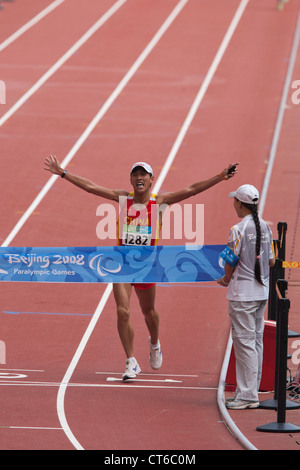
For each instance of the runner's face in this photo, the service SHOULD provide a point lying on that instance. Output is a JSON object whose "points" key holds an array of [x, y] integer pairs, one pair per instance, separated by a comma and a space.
{"points": [[141, 180]]}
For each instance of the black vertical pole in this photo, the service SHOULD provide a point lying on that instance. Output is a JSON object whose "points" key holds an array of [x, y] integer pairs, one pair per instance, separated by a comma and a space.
{"points": [[282, 285], [282, 229], [282, 325], [274, 276], [281, 247], [282, 322], [272, 403]]}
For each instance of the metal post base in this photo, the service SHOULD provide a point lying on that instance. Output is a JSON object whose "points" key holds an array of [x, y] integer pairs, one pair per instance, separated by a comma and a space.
{"points": [[272, 404], [278, 427], [293, 334]]}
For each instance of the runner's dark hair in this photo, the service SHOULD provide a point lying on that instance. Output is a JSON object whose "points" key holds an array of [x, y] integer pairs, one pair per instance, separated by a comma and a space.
{"points": [[253, 208]]}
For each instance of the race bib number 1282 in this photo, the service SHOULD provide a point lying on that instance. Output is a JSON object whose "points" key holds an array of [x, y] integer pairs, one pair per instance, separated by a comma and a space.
{"points": [[136, 235]]}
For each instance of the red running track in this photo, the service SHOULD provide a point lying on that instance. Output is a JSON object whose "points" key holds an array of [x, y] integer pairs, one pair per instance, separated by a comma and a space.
{"points": [[43, 325]]}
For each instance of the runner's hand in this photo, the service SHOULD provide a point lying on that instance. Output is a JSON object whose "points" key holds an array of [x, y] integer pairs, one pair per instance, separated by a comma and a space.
{"points": [[225, 173], [52, 165]]}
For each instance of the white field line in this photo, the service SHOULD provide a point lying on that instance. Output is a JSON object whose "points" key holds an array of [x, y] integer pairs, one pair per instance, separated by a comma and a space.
{"points": [[108, 290], [104, 18], [125, 385], [195, 106], [151, 375], [221, 387], [30, 24], [201, 93], [106, 106], [37, 428], [280, 116]]}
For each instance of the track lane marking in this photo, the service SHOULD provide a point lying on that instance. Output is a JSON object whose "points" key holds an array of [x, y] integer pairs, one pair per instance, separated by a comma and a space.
{"points": [[11, 375], [30, 24], [95, 121], [279, 121], [202, 91], [151, 45], [117, 379], [22, 370], [39, 428], [208, 78], [58, 64], [236, 432], [124, 385], [73, 364], [151, 375]]}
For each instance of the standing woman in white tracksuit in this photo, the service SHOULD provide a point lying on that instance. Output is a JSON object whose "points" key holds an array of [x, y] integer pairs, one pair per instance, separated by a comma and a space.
{"points": [[247, 279]]}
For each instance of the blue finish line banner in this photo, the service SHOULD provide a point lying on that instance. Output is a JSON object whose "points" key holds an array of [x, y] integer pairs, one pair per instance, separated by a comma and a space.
{"points": [[151, 264]]}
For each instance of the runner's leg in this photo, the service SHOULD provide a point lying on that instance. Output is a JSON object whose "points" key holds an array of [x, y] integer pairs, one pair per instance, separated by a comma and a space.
{"points": [[147, 299], [122, 293]]}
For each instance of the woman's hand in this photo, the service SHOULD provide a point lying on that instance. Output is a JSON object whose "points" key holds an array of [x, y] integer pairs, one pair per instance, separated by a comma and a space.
{"points": [[222, 282]]}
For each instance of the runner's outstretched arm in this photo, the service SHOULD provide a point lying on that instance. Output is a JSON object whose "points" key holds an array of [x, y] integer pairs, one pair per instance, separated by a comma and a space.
{"points": [[196, 188], [53, 165]]}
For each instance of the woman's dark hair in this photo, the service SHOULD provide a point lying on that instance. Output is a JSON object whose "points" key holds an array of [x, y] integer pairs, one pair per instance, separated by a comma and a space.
{"points": [[257, 272]]}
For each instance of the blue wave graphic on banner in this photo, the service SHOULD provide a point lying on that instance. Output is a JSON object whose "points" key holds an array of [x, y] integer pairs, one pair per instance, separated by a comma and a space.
{"points": [[112, 264]]}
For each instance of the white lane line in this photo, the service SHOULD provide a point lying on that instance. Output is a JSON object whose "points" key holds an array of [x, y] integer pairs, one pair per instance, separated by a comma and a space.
{"points": [[61, 61], [97, 118], [203, 89], [116, 379], [151, 375], [201, 93], [23, 370], [221, 387], [128, 384], [39, 428], [63, 386], [11, 375], [30, 24], [279, 121], [61, 393]]}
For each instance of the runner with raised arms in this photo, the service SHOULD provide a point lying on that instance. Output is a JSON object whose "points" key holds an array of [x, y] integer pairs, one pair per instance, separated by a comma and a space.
{"points": [[133, 233]]}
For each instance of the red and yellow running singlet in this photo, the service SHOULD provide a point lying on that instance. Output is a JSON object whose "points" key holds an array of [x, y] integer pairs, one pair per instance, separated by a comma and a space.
{"points": [[139, 225]]}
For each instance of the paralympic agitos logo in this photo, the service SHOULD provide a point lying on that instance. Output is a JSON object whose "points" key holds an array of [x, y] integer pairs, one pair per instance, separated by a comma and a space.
{"points": [[96, 263]]}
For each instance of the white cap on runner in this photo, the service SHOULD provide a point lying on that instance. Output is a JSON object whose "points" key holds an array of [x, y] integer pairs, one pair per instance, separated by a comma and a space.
{"points": [[143, 165]]}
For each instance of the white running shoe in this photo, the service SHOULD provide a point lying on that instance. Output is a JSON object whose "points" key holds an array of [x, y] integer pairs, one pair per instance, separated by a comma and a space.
{"points": [[132, 369], [155, 357], [241, 404]]}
